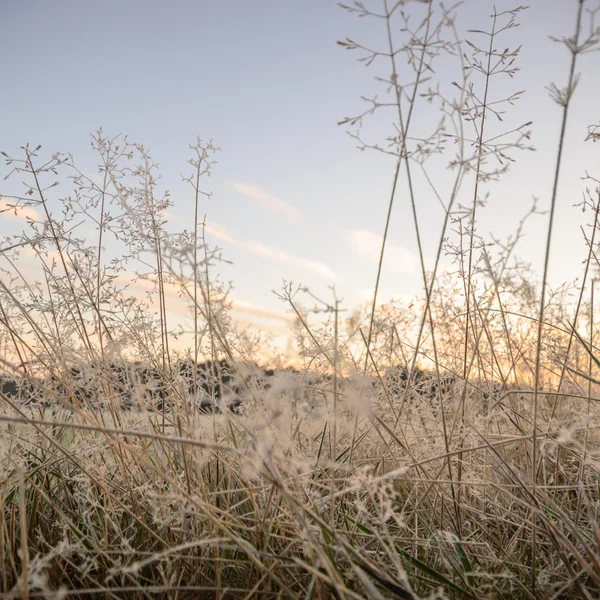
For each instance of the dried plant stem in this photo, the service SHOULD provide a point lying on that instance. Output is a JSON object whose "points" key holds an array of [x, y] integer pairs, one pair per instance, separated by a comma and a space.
{"points": [[61, 252], [595, 225], [404, 128], [99, 260], [469, 321], [24, 538], [540, 331], [584, 457], [195, 269], [334, 425]]}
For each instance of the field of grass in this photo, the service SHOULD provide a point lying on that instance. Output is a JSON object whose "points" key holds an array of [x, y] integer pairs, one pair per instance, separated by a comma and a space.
{"points": [[448, 448]]}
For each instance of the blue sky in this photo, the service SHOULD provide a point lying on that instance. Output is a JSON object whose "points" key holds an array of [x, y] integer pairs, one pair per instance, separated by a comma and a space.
{"points": [[268, 83]]}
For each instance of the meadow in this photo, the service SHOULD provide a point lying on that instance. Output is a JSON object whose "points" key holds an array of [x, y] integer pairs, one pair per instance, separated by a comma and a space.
{"points": [[444, 448]]}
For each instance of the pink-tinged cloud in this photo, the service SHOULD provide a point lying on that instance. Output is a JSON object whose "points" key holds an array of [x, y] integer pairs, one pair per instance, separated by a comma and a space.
{"points": [[267, 201], [285, 258], [242, 306], [178, 304], [368, 245], [260, 249], [9, 210]]}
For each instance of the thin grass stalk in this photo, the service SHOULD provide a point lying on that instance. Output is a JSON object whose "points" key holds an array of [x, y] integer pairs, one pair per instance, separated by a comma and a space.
{"points": [[80, 322], [403, 133], [404, 128], [538, 353], [427, 310], [13, 339], [404, 153], [209, 315], [165, 355], [24, 538], [469, 289], [334, 426], [582, 465], [575, 318], [4, 538], [588, 260], [484, 313], [404, 444], [448, 210], [195, 269], [99, 261]]}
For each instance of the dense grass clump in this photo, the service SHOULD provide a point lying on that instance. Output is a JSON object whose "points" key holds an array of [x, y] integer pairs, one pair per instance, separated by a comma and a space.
{"points": [[446, 448]]}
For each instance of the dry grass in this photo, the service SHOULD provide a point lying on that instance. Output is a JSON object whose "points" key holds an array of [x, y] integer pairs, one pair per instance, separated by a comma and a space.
{"points": [[471, 471]]}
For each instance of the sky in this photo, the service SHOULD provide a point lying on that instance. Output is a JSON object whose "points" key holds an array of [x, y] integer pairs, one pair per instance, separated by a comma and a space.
{"points": [[293, 197]]}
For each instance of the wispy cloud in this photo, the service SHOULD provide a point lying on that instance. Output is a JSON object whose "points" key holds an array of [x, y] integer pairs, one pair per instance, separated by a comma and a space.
{"points": [[218, 231], [167, 214], [180, 305], [270, 252], [285, 258], [9, 210], [368, 245], [268, 201], [243, 306]]}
